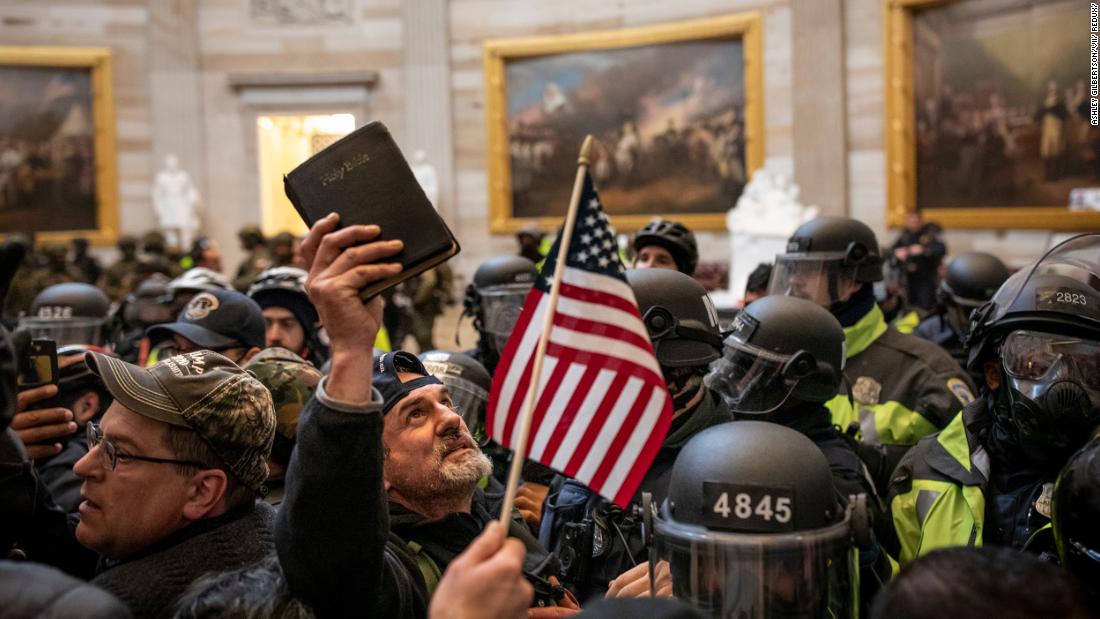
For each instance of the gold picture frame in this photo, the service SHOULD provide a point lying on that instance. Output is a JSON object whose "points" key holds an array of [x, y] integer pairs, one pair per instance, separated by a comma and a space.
{"points": [[98, 62], [901, 144], [744, 28]]}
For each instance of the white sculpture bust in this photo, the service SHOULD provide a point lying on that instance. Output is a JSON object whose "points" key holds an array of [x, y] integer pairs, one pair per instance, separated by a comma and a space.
{"points": [[176, 202], [767, 213], [426, 175]]}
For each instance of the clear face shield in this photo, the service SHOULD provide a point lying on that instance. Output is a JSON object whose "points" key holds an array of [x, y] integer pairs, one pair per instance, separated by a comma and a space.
{"points": [[67, 331], [758, 576], [819, 277], [469, 399], [751, 379], [500, 309]]}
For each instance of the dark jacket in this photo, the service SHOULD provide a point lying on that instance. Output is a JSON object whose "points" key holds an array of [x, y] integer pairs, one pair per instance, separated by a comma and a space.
{"points": [[33, 591], [151, 584], [333, 529], [938, 330], [595, 540]]}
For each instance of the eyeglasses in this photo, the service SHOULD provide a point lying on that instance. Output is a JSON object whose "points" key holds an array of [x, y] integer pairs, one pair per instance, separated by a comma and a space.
{"points": [[111, 454]]}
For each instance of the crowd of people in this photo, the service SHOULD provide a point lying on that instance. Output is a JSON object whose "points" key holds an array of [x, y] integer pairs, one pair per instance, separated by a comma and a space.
{"points": [[876, 432]]}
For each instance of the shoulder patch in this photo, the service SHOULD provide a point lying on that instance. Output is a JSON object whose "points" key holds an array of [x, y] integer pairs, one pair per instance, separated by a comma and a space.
{"points": [[961, 390], [867, 390]]}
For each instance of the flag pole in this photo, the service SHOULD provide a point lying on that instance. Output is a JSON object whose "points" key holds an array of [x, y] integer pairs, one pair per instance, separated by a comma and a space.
{"points": [[519, 446]]}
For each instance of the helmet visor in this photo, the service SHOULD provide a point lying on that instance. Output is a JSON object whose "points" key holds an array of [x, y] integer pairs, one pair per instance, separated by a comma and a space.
{"points": [[500, 307], [469, 399], [1074, 260], [750, 379], [803, 574], [66, 332], [819, 277], [1036, 356]]}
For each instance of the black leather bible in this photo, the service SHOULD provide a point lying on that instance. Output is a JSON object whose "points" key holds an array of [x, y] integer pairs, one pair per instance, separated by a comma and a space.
{"points": [[365, 179]]}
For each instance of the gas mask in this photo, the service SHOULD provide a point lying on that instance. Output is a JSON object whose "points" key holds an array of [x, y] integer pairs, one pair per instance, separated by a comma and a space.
{"points": [[1052, 391]]}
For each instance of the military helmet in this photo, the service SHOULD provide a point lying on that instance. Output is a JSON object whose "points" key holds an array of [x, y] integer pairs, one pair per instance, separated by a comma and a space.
{"points": [[826, 247], [973, 278], [251, 235], [780, 347], [70, 313], [752, 503], [679, 316], [467, 381], [675, 238], [127, 243], [291, 381], [1075, 511], [199, 279]]}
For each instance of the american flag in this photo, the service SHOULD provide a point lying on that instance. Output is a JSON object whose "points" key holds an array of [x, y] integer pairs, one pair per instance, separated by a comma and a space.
{"points": [[602, 408]]}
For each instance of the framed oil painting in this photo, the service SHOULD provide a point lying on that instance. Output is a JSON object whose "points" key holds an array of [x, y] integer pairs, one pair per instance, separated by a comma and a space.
{"points": [[988, 113], [676, 111], [57, 144]]}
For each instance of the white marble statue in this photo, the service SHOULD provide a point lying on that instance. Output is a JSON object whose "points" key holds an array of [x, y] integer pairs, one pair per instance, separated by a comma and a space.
{"points": [[767, 213], [426, 175], [176, 202]]}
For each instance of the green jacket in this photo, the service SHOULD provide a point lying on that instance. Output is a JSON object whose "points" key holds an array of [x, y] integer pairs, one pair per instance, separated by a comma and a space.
{"points": [[937, 493], [904, 388]]}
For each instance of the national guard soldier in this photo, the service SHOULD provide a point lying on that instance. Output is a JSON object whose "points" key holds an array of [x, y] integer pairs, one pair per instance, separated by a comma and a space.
{"points": [[494, 299], [595, 540], [902, 387], [664, 244], [754, 527], [970, 281], [255, 258], [987, 478], [119, 278], [291, 381]]}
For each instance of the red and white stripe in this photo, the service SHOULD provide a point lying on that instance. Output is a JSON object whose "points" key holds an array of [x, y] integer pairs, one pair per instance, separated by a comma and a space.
{"points": [[602, 408]]}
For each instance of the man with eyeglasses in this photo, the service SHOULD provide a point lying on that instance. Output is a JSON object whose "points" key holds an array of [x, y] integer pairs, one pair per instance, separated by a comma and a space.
{"points": [[224, 321], [988, 477], [172, 478]]}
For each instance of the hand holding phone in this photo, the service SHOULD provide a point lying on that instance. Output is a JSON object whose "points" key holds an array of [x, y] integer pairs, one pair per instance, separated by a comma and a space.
{"points": [[42, 430]]}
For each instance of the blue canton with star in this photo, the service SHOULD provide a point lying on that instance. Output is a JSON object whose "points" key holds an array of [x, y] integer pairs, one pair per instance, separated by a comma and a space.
{"points": [[592, 247]]}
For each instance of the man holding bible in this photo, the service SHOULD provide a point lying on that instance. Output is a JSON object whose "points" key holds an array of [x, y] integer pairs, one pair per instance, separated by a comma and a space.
{"points": [[382, 491]]}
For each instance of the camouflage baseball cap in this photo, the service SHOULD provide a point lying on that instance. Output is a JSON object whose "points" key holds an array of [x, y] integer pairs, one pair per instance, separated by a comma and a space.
{"points": [[291, 381], [203, 391]]}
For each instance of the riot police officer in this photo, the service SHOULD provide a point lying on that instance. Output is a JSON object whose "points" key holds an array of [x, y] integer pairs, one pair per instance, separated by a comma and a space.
{"points": [[987, 478], [71, 313], [494, 299], [971, 280], [596, 540], [666, 244], [754, 527], [1075, 512], [150, 304], [290, 320], [902, 387]]}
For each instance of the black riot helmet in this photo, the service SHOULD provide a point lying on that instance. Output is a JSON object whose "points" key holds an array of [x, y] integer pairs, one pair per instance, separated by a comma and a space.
{"points": [[1075, 512], [467, 381], [679, 317], [151, 303], [822, 255], [754, 527], [70, 313], [495, 297], [1044, 325], [675, 238], [780, 348], [973, 278]]}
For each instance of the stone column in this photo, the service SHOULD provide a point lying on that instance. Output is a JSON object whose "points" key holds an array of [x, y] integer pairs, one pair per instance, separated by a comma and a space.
{"points": [[428, 93], [820, 114]]}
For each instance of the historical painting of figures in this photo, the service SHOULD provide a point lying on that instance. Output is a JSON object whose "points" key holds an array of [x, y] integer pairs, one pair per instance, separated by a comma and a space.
{"points": [[675, 112], [994, 112], [56, 143]]}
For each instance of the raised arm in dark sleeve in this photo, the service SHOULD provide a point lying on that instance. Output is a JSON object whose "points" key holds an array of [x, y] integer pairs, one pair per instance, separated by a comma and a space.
{"points": [[333, 532]]}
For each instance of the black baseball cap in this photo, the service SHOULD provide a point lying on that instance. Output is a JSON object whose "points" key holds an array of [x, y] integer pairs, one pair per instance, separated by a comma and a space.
{"points": [[387, 382], [216, 319]]}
